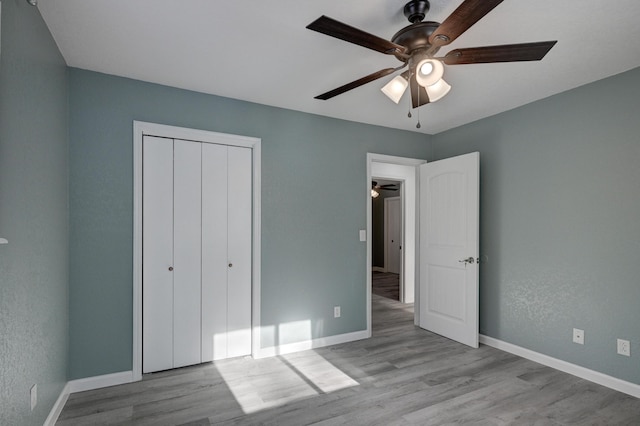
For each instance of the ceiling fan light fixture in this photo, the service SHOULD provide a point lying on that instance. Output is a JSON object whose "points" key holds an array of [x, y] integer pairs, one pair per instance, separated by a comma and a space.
{"points": [[374, 193], [395, 88], [429, 71], [438, 90]]}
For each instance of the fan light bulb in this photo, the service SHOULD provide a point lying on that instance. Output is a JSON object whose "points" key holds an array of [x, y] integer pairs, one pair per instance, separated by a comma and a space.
{"points": [[374, 193], [429, 71], [395, 88], [426, 68]]}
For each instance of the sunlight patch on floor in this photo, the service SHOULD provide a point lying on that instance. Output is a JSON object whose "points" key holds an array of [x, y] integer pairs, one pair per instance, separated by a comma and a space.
{"points": [[272, 382]]}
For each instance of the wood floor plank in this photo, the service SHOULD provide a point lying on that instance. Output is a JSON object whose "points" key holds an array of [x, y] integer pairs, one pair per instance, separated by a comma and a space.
{"points": [[387, 285], [402, 375]]}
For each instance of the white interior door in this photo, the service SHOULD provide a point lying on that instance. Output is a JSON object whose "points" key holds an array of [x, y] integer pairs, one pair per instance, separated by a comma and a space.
{"points": [[393, 234], [449, 210]]}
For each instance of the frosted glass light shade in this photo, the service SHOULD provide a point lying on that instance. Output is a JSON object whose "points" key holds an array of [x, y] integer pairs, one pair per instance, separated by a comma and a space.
{"points": [[395, 88], [429, 71], [438, 90], [374, 193]]}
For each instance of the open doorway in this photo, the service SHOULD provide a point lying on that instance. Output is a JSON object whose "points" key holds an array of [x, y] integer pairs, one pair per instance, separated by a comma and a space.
{"points": [[396, 169], [444, 196]]}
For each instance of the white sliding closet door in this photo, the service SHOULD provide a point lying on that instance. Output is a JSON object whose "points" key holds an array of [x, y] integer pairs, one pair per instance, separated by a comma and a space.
{"points": [[157, 255], [239, 252], [187, 253], [226, 251], [197, 233], [214, 252]]}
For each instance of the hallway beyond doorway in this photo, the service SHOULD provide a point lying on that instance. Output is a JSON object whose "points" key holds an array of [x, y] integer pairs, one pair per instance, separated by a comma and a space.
{"points": [[386, 284]]}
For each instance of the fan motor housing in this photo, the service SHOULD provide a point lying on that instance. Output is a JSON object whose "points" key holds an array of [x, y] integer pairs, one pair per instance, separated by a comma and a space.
{"points": [[415, 36]]}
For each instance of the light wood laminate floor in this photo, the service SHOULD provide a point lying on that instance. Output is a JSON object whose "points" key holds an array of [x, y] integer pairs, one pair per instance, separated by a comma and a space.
{"points": [[403, 375], [386, 284]]}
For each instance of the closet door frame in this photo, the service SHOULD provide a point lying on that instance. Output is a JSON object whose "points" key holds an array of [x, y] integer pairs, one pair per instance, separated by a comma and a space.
{"points": [[141, 129]]}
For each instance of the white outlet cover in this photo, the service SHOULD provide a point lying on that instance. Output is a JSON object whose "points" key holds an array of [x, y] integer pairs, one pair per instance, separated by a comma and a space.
{"points": [[336, 311], [624, 347], [578, 336]]}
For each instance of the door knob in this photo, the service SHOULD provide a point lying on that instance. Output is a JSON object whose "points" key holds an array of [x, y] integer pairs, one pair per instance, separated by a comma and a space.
{"points": [[170, 268], [470, 260]]}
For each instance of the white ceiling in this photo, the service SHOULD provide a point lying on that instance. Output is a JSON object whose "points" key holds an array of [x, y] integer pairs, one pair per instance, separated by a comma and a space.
{"points": [[260, 51]]}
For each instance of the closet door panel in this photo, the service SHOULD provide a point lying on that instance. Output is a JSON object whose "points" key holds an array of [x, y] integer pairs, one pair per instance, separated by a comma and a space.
{"points": [[214, 252], [187, 231], [157, 254], [239, 251]]}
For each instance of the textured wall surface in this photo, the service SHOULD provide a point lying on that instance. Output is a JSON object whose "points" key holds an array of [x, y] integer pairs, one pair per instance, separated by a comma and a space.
{"points": [[560, 222], [33, 216], [314, 195]]}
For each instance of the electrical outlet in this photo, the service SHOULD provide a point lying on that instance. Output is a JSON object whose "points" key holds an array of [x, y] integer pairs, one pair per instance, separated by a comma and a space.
{"points": [[624, 347], [578, 336], [336, 311], [34, 396]]}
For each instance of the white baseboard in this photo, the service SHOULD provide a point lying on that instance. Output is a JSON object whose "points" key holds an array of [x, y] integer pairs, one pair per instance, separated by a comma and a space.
{"points": [[378, 269], [52, 418], [576, 370], [85, 384], [311, 344], [97, 382]]}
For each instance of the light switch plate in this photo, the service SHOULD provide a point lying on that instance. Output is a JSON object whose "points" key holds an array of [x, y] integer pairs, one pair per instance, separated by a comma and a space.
{"points": [[363, 235]]}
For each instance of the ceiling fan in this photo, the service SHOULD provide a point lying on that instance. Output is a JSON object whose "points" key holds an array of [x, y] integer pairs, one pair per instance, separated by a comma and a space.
{"points": [[375, 188], [417, 44], [388, 186]]}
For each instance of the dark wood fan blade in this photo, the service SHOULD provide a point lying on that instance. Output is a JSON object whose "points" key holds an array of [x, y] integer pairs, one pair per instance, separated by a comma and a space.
{"points": [[503, 53], [387, 185], [359, 82], [389, 189], [419, 95], [333, 28], [467, 14]]}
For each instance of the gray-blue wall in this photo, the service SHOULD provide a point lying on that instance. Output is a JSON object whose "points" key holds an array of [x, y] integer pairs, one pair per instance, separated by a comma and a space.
{"points": [[314, 194], [560, 222], [559, 215], [33, 216]]}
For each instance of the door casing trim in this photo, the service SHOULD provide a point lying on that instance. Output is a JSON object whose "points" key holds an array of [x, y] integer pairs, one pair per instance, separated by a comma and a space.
{"points": [[140, 129]]}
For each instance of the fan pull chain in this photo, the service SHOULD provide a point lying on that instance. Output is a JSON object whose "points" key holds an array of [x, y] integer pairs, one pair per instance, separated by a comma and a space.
{"points": [[418, 125]]}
